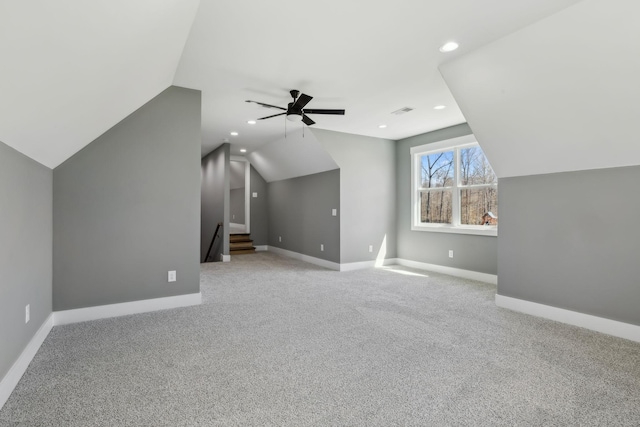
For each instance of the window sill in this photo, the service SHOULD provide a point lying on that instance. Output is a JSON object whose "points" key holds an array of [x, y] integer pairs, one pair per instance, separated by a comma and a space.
{"points": [[473, 230]]}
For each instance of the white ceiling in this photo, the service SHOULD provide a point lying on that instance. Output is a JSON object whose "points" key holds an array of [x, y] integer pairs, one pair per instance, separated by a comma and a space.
{"points": [[370, 58], [560, 95], [71, 69]]}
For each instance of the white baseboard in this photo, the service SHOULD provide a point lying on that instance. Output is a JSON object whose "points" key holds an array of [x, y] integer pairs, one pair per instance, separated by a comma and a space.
{"points": [[262, 248], [123, 309], [225, 258], [458, 272], [594, 323], [306, 258], [11, 379], [65, 317], [351, 266]]}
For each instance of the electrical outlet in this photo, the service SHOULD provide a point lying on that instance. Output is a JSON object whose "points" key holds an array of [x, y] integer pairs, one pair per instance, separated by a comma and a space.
{"points": [[27, 313], [370, 248], [172, 276], [450, 253], [321, 247], [279, 238], [334, 212], [255, 194]]}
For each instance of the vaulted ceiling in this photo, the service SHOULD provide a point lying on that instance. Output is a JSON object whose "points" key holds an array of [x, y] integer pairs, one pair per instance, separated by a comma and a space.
{"points": [[72, 69]]}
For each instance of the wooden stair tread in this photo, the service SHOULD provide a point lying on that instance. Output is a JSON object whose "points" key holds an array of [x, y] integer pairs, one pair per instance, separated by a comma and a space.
{"points": [[241, 245], [242, 251], [240, 237]]}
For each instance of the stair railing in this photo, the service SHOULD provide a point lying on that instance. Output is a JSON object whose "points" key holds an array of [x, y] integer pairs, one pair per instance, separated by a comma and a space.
{"points": [[215, 234]]}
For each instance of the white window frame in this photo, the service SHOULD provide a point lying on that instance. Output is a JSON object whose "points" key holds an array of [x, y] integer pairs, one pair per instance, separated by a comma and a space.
{"points": [[455, 145]]}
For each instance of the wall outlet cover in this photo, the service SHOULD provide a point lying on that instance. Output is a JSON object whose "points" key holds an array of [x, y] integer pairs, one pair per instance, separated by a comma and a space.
{"points": [[172, 276]]}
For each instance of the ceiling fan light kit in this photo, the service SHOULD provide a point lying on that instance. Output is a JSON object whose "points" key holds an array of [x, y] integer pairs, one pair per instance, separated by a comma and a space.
{"points": [[295, 111]]}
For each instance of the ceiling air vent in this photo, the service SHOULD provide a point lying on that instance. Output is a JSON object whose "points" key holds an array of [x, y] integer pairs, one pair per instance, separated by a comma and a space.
{"points": [[402, 111]]}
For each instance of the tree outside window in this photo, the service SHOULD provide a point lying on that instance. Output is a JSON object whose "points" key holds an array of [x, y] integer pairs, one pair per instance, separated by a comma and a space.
{"points": [[455, 187]]}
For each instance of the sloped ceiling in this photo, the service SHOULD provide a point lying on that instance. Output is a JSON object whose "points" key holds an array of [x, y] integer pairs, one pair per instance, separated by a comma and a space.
{"points": [[72, 69], [370, 58], [298, 154], [559, 95]]}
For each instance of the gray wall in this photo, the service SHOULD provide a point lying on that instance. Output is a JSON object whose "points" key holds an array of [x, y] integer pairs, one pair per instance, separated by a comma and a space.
{"points": [[367, 194], [259, 209], [236, 204], [570, 240], [126, 208], [300, 212], [25, 251], [475, 253], [215, 195]]}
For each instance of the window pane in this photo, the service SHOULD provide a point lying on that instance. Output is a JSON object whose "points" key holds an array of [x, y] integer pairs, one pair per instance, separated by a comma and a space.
{"points": [[437, 170], [435, 206], [474, 168], [479, 206]]}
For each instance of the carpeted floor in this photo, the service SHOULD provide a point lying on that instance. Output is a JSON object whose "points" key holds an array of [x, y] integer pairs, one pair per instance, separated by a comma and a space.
{"points": [[278, 342]]}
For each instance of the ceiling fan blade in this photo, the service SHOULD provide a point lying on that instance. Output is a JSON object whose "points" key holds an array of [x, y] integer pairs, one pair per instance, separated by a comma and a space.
{"points": [[307, 121], [266, 105], [313, 111], [275, 115], [302, 100]]}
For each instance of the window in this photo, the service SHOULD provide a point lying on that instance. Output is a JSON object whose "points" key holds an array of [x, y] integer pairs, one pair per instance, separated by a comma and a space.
{"points": [[454, 188]]}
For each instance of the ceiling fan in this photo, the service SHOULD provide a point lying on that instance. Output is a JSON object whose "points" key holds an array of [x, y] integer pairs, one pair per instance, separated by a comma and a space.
{"points": [[295, 111]]}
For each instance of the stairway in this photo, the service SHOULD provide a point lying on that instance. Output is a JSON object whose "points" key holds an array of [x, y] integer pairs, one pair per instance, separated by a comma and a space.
{"points": [[241, 243]]}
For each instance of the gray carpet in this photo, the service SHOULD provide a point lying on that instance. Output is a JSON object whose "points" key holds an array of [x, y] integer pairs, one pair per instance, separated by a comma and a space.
{"points": [[279, 342]]}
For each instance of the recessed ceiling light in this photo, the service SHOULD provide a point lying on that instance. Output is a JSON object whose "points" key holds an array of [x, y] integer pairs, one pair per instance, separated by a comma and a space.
{"points": [[234, 133], [448, 47], [382, 126], [251, 122], [243, 150], [439, 107]]}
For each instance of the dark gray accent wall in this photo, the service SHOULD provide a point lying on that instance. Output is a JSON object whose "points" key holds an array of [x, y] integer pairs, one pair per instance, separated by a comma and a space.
{"points": [[126, 208], [236, 202], [300, 213], [215, 195], [367, 194], [570, 240], [25, 251], [259, 209], [474, 253]]}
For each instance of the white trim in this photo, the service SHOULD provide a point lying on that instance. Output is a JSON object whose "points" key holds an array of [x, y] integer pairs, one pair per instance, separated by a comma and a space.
{"points": [[19, 367], [468, 139], [126, 308], [260, 248], [306, 258], [451, 271], [454, 145], [588, 321], [225, 258], [352, 266], [458, 229], [247, 190]]}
